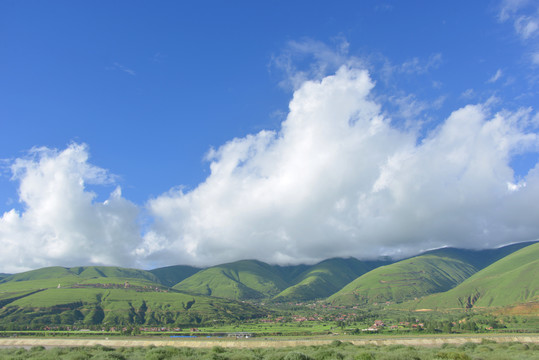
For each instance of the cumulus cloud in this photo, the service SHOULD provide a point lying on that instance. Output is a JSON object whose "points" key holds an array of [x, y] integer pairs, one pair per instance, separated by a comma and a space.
{"points": [[339, 180], [61, 223]]}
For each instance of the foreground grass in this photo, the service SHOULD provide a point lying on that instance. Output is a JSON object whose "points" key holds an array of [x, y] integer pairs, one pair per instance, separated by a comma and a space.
{"points": [[335, 350]]}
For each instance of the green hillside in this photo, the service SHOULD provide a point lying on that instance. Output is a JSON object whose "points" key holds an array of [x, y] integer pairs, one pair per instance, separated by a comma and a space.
{"points": [[250, 279], [511, 280], [245, 279], [75, 274], [479, 258], [94, 296], [117, 306], [171, 275], [323, 279], [404, 280]]}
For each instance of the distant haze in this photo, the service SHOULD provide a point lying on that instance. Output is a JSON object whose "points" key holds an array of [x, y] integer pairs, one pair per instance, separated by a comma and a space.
{"points": [[337, 179]]}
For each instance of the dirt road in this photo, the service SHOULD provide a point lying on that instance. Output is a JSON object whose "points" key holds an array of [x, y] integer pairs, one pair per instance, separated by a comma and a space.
{"points": [[259, 343]]}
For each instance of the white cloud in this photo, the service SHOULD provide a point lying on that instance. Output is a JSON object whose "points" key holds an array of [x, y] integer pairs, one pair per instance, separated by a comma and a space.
{"points": [[524, 14], [61, 223], [339, 180], [317, 58], [496, 76], [468, 94], [526, 26], [415, 66], [117, 66]]}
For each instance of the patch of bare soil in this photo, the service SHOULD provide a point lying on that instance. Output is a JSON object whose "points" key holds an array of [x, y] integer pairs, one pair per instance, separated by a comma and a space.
{"points": [[531, 308]]}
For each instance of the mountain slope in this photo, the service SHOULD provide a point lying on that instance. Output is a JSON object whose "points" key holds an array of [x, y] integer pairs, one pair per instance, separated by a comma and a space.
{"points": [[245, 279], [404, 280], [511, 280], [106, 295], [81, 272], [479, 258], [171, 275], [323, 279]]}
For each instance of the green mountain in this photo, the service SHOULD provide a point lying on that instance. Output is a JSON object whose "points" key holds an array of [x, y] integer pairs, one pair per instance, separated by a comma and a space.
{"points": [[511, 280], [80, 273], [240, 280], [407, 279], [97, 296], [171, 275], [251, 279], [479, 258], [431, 272], [323, 279]]}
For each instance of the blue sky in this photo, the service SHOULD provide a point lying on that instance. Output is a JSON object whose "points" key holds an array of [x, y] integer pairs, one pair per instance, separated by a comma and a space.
{"points": [[147, 90]]}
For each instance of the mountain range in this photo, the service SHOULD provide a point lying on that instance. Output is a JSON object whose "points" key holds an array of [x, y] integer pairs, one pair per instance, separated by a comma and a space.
{"points": [[441, 278]]}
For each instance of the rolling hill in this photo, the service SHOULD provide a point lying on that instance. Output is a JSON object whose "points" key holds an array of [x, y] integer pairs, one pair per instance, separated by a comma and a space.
{"points": [[404, 280], [511, 280], [91, 296], [100, 295], [171, 275], [80, 273], [251, 279], [240, 280], [323, 279], [431, 272], [479, 258]]}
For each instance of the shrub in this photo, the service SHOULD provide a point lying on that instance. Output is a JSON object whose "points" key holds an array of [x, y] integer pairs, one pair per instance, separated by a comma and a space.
{"points": [[218, 349], [453, 355], [296, 355], [364, 356]]}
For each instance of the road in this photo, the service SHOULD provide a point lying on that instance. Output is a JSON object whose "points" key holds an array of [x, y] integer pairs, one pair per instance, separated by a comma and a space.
{"points": [[260, 342]]}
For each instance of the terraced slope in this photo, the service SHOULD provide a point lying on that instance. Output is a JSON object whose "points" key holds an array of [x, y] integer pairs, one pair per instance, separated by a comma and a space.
{"points": [[323, 279], [511, 280], [240, 280], [404, 280]]}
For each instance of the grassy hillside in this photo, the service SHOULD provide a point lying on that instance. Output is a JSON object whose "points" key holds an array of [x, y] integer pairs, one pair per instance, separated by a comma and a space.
{"points": [[511, 280], [479, 258], [118, 306], [250, 279], [323, 279], [404, 280], [75, 274], [94, 296], [246, 279], [171, 275]]}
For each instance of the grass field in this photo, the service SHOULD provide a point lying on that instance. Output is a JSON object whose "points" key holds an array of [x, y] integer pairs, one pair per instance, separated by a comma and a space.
{"points": [[466, 348]]}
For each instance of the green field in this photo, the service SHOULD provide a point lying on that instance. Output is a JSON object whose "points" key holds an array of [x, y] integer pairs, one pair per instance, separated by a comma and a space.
{"points": [[486, 349]]}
